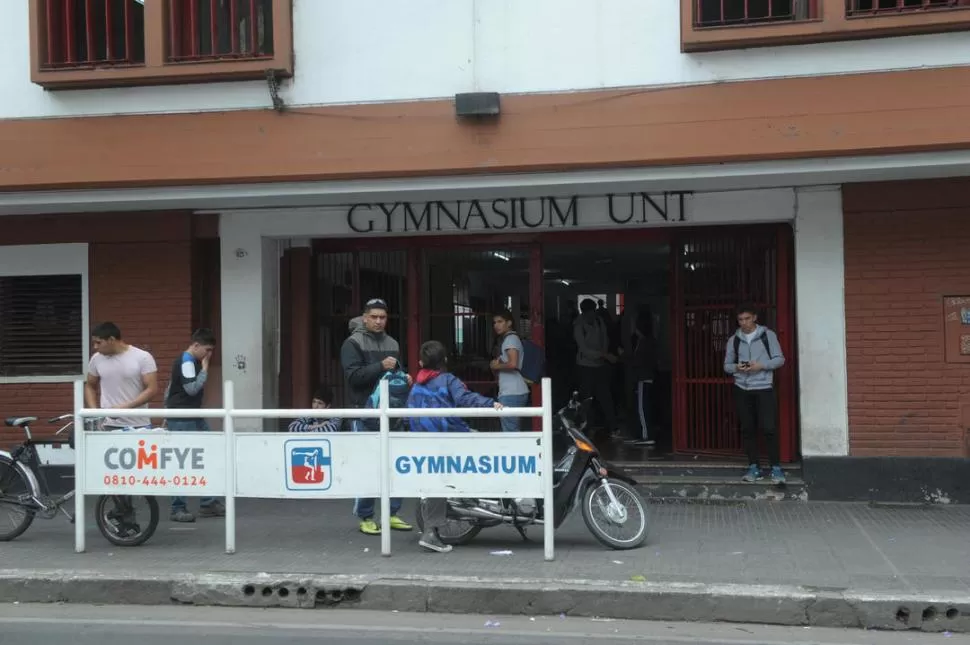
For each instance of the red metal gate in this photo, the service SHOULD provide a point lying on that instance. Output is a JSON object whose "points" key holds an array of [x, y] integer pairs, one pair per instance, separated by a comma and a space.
{"points": [[715, 270], [344, 280]]}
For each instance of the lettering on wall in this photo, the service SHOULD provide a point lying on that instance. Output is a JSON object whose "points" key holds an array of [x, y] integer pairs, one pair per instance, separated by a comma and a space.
{"points": [[504, 214]]}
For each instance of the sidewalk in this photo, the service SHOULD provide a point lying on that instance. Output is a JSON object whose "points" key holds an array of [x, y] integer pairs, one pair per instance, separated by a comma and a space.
{"points": [[806, 553]]}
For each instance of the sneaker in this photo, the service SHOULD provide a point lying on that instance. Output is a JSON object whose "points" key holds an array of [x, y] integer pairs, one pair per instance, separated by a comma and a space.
{"points": [[215, 509], [398, 524], [369, 527], [432, 542], [777, 475], [753, 474], [645, 442], [182, 515]]}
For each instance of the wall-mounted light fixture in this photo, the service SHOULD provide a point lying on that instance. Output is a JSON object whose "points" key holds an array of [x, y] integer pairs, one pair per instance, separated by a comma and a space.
{"points": [[477, 105]]}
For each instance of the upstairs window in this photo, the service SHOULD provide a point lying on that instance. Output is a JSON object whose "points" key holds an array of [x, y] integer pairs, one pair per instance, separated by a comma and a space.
{"points": [[726, 13], [883, 7], [41, 328], [111, 43], [92, 33], [205, 30]]}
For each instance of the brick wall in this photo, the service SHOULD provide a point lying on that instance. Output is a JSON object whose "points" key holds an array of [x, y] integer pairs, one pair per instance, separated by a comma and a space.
{"points": [[142, 283], [907, 245]]}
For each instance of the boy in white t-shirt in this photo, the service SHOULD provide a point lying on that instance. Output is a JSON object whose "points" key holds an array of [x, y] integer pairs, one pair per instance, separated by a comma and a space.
{"points": [[126, 376]]}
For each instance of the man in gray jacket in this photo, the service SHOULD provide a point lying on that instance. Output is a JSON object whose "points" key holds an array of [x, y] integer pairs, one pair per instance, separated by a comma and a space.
{"points": [[366, 356], [594, 361], [752, 355]]}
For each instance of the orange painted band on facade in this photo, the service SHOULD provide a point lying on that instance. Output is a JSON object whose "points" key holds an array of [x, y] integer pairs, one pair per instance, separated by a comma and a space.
{"points": [[831, 116]]}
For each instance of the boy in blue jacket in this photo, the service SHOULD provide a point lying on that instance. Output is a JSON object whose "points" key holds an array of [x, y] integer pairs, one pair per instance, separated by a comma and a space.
{"points": [[436, 388]]}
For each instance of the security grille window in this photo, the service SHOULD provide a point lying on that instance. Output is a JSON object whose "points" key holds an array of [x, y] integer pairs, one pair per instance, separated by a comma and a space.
{"points": [[41, 326], [873, 7], [220, 29], [725, 13], [93, 33]]}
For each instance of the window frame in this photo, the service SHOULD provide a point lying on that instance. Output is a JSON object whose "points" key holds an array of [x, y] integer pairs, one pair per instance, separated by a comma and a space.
{"points": [[53, 259], [157, 69], [831, 23]]}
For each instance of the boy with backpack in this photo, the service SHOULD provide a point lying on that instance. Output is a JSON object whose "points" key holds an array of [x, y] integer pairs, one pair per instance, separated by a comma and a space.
{"points": [[752, 355], [436, 388]]}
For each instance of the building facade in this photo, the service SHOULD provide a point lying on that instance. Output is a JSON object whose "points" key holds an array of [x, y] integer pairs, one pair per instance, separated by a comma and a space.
{"points": [[264, 166]]}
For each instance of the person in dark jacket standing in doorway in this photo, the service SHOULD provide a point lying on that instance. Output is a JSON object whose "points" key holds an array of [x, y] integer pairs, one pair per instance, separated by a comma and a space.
{"points": [[752, 356], [366, 356], [190, 371]]}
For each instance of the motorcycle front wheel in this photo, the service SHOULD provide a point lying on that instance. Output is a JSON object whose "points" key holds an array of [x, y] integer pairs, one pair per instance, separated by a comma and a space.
{"points": [[121, 523], [456, 532], [619, 526]]}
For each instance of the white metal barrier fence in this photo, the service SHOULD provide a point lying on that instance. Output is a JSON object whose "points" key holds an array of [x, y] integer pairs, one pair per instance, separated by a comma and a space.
{"points": [[337, 465]]}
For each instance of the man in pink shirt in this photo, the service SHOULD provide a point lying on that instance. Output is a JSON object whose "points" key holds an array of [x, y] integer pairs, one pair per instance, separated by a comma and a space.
{"points": [[126, 376]]}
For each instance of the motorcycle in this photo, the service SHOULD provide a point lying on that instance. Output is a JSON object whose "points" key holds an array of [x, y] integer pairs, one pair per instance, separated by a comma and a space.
{"points": [[613, 510]]}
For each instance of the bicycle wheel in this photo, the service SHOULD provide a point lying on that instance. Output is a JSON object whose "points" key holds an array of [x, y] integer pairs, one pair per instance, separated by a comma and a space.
{"points": [[16, 501], [121, 523]]}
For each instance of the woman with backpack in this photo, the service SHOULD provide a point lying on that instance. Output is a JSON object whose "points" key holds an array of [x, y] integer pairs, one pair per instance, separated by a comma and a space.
{"points": [[513, 391]]}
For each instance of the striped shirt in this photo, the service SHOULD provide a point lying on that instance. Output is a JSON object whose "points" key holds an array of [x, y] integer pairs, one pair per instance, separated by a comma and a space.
{"points": [[305, 425]]}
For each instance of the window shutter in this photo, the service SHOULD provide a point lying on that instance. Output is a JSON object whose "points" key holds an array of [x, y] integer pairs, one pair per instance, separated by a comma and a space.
{"points": [[41, 326]]}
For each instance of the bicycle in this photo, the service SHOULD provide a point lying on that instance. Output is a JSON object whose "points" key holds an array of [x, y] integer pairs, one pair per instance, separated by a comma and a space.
{"points": [[24, 487]]}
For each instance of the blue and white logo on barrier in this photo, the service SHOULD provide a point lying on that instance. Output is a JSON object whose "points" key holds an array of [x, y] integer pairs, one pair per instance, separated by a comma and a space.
{"points": [[308, 464]]}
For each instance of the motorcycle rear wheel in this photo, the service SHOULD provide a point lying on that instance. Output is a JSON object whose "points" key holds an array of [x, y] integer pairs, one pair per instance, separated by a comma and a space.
{"points": [[596, 496], [455, 532]]}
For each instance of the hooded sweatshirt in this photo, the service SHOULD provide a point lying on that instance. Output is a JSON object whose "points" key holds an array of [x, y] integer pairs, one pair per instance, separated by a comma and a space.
{"points": [[434, 389], [361, 356], [754, 351]]}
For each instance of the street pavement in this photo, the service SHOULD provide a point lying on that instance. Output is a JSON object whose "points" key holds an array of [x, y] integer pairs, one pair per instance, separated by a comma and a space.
{"points": [[788, 563], [122, 625], [811, 544]]}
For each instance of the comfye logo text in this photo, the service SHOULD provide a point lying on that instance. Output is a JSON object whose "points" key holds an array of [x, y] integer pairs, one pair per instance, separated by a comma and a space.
{"points": [[154, 458]]}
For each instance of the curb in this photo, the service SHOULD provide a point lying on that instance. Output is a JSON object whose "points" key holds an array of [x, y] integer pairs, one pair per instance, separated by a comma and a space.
{"points": [[692, 602]]}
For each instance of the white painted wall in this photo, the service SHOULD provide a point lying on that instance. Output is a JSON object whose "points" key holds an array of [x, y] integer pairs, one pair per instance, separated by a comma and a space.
{"points": [[243, 298], [820, 305], [52, 259], [353, 51]]}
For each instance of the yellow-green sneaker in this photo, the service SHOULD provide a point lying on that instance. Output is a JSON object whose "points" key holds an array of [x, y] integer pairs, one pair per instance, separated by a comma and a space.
{"points": [[399, 525], [370, 527]]}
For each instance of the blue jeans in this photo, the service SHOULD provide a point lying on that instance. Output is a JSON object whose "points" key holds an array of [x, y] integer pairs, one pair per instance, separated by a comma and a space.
{"points": [[364, 506], [188, 425], [511, 424]]}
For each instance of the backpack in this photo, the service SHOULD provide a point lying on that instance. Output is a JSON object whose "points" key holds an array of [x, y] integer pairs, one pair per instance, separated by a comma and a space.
{"points": [[737, 345], [532, 363], [425, 397], [397, 381]]}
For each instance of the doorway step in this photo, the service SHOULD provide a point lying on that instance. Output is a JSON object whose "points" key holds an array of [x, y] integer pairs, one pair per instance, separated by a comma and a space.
{"points": [[706, 482]]}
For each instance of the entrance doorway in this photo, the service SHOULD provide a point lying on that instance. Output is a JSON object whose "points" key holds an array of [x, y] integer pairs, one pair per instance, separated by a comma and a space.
{"points": [[630, 284], [687, 282]]}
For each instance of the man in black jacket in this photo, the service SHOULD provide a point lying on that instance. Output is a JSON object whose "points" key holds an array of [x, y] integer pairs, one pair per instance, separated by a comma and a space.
{"points": [[366, 356]]}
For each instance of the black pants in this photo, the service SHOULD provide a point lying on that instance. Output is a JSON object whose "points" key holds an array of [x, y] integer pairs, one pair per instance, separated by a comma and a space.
{"points": [[758, 409], [597, 382]]}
